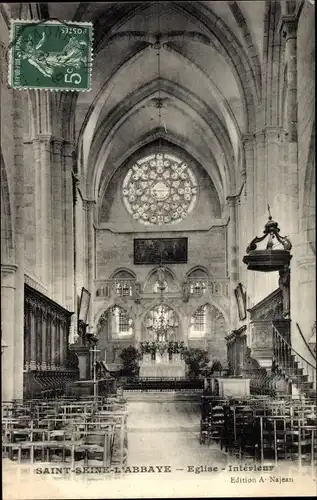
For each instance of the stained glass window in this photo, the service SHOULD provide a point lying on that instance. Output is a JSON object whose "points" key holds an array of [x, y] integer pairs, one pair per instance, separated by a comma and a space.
{"points": [[198, 322], [160, 189], [123, 323]]}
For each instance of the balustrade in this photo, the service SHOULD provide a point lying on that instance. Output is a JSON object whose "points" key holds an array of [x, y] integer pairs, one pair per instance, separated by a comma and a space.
{"points": [[287, 361], [132, 289]]}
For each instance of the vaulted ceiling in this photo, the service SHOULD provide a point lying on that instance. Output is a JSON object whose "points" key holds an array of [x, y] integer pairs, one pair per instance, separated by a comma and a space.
{"points": [[201, 61]]}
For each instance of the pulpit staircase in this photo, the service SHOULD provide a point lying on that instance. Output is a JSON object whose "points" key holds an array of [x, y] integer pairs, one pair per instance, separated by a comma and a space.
{"points": [[290, 365]]}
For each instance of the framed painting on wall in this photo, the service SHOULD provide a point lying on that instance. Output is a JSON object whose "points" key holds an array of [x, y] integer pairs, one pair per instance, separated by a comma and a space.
{"points": [[240, 295], [84, 305], [160, 251]]}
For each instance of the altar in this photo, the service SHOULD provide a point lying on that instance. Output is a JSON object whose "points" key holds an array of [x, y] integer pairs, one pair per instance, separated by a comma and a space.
{"points": [[162, 366]]}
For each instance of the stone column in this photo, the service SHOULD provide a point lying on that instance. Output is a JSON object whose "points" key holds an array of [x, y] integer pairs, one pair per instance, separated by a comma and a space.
{"points": [[274, 189], [37, 202], [260, 180], [18, 317], [58, 221], [304, 310], [260, 206], [7, 329], [247, 225], [90, 219], [137, 329], [68, 226], [47, 197], [289, 30], [232, 242]]}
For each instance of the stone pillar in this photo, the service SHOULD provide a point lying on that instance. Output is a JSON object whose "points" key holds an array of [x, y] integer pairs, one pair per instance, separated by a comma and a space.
{"points": [[18, 317], [58, 221], [304, 310], [69, 227], [7, 329], [247, 227], [260, 180], [289, 30], [90, 219], [37, 202], [274, 189], [137, 329], [232, 242], [46, 198]]}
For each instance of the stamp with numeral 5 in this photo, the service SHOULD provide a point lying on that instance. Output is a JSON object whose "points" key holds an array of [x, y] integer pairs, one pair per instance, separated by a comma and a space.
{"points": [[50, 55]]}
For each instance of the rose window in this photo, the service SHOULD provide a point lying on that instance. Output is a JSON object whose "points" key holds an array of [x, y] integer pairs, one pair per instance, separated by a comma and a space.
{"points": [[159, 189]]}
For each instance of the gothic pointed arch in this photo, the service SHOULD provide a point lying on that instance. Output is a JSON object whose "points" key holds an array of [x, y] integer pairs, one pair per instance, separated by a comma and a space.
{"points": [[6, 218], [170, 278], [115, 323]]}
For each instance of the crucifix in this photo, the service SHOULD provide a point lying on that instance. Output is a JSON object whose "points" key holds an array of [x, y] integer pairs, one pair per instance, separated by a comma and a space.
{"points": [[94, 363]]}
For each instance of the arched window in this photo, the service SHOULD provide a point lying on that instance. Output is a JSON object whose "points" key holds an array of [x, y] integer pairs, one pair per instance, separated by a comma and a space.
{"points": [[198, 322], [123, 289], [159, 189], [197, 281], [123, 283], [121, 322], [197, 287]]}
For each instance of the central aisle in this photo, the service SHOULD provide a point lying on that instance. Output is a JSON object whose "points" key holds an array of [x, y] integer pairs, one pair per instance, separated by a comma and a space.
{"points": [[163, 429]]}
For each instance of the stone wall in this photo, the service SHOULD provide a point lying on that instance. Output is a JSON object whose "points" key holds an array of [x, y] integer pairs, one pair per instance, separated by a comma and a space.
{"points": [[205, 248]]}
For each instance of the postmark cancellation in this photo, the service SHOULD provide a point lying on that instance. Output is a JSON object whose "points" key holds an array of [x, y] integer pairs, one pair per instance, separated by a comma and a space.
{"points": [[50, 55]]}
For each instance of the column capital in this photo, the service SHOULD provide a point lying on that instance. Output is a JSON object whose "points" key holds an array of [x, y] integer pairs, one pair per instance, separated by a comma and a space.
{"points": [[259, 135], [89, 204], [233, 200], [288, 25], [58, 144], [245, 138]]}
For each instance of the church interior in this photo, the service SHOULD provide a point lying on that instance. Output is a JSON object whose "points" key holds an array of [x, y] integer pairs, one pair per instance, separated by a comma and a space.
{"points": [[158, 240]]}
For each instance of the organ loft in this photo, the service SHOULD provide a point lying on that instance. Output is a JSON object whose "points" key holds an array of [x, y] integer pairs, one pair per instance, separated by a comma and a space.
{"points": [[158, 238]]}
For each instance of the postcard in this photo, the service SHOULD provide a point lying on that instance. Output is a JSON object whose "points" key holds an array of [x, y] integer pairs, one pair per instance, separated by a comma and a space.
{"points": [[158, 257]]}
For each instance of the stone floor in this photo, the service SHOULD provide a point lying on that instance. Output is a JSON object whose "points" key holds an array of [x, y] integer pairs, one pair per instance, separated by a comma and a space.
{"points": [[164, 429]]}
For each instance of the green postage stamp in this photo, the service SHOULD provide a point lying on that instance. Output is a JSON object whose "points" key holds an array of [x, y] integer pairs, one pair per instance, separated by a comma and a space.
{"points": [[50, 55]]}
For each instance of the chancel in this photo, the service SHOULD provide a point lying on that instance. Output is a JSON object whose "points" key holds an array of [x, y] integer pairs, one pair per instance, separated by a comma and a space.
{"points": [[158, 248]]}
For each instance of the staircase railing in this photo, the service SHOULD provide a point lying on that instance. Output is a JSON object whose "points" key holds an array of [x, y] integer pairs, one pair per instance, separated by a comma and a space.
{"points": [[294, 366], [305, 342]]}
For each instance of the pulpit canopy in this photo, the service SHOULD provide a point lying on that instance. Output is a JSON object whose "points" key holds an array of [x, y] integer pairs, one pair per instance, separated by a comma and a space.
{"points": [[271, 258]]}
